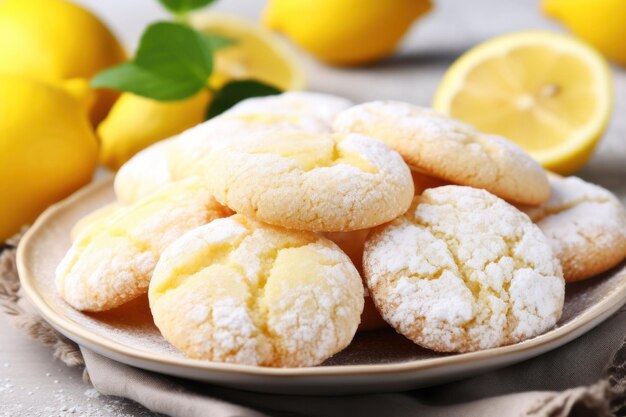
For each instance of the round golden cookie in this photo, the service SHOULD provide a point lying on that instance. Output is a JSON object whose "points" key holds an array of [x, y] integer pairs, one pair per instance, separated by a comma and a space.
{"points": [[586, 225], [445, 148], [111, 262], [305, 181], [143, 174], [238, 291], [463, 270]]}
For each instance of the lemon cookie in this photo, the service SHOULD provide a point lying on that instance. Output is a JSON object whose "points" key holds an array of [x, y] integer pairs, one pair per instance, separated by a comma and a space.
{"points": [[586, 225], [111, 262], [463, 270], [238, 291], [145, 173], [445, 148], [306, 181]]}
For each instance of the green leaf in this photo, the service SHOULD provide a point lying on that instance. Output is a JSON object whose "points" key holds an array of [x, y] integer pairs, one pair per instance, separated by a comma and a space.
{"points": [[184, 6], [134, 79], [236, 91], [173, 62], [176, 52]]}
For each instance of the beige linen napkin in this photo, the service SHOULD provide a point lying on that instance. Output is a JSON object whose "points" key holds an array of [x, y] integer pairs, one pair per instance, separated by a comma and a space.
{"points": [[586, 377]]}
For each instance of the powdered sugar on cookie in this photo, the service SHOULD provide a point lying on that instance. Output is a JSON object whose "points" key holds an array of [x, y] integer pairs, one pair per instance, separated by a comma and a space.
{"points": [[111, 262], [463, 270], [586, 225], [239, 291]]}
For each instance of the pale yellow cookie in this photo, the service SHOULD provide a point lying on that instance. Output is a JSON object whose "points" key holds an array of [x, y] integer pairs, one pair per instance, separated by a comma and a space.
{"points": [[111, 262], [238, 291], [586, 225], [94, 219], [146, 172], [304, 181], [445, 148], [463, 270]]}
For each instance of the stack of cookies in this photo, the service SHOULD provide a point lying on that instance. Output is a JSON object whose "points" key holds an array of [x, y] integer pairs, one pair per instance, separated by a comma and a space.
{"points": [[268, 235]]}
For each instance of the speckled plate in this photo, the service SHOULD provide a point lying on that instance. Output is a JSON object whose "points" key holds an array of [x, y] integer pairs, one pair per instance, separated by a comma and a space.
{"points": [[376, 361]]}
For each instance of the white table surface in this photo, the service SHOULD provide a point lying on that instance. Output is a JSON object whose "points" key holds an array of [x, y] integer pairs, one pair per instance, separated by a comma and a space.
{"points": [[33, 384]]}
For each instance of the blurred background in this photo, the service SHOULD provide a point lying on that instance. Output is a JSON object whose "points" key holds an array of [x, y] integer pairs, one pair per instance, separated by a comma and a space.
{"points": [[412, 73]]}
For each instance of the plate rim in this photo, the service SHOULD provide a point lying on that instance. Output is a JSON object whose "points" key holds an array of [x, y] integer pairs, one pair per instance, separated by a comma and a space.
{"points": [[549, 340]]}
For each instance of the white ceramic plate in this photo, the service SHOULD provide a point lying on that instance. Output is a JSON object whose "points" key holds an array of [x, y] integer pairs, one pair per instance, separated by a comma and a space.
{"points": [[376, 361]]}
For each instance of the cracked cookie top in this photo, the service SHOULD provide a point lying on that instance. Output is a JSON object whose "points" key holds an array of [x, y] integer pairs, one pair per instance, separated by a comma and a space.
{"points": [[586, 225], [111, 260], [236, 290], [307, 181], [463, 270], [440, 146]]}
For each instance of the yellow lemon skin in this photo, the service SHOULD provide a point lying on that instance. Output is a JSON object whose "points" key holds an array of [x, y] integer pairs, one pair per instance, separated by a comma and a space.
{"points": [[136, 122], [47, 149], [345, 32], [602, 23], [56, 40]]}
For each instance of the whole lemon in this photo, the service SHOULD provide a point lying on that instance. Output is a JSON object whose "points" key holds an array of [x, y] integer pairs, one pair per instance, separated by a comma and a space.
{"points": [[47, 149], [602, 23], [136, 122], [55, 40], [345, 32]]}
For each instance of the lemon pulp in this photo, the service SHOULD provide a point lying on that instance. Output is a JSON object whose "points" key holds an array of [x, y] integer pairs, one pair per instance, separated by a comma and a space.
{"points": [[546, 92]]}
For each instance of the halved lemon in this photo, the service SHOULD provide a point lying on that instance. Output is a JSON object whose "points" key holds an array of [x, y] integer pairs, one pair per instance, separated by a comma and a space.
{"points": [[548, 92], [256, 54]]}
